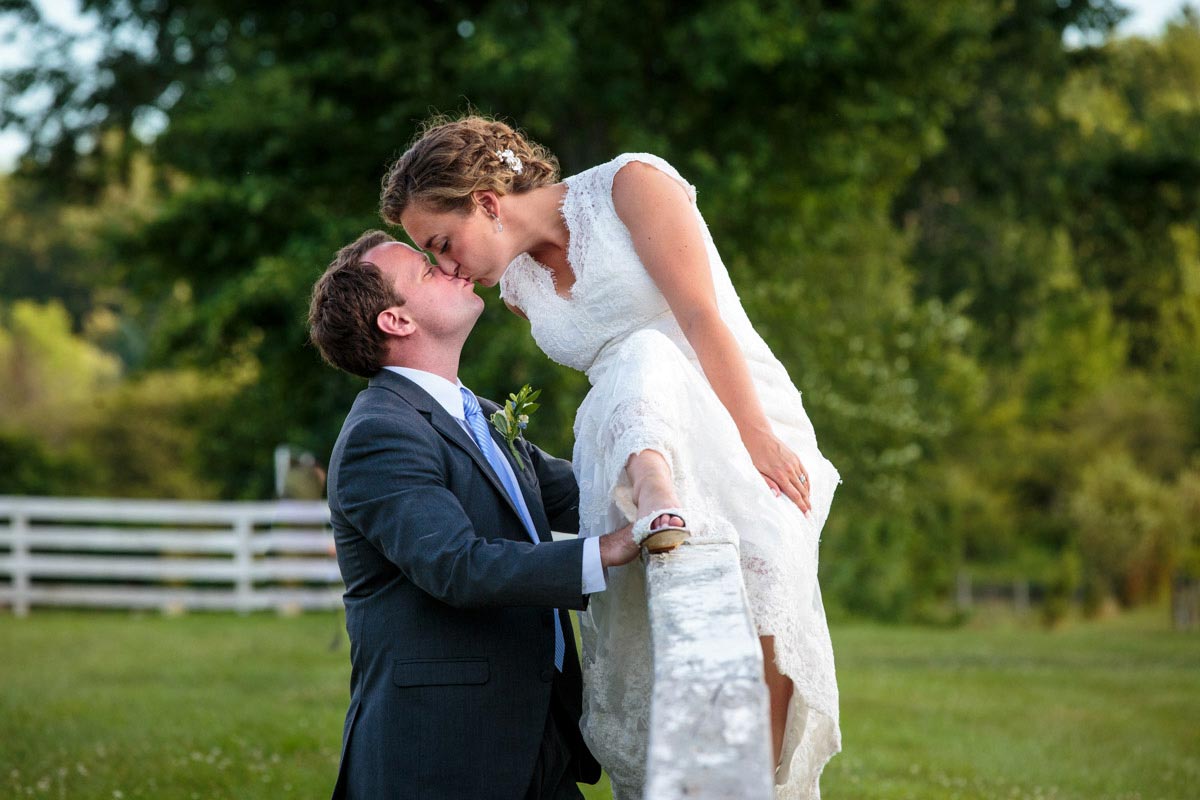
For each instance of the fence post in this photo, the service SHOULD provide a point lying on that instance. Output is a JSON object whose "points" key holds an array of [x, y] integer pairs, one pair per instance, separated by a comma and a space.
{"points": [[1185, 603], [962, 590], [244, 560], [710, 737], [1021, 596], [20, 562]]}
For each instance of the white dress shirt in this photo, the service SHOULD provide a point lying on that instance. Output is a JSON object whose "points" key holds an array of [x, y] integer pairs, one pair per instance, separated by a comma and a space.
{"points": [[448, 397]]}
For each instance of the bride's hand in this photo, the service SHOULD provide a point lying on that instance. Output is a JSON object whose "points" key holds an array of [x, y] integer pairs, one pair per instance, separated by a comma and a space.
{"points": [[780, 467]]}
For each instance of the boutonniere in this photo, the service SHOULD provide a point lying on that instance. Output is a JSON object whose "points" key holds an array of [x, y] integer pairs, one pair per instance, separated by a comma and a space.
{"points": [[512, 420]]}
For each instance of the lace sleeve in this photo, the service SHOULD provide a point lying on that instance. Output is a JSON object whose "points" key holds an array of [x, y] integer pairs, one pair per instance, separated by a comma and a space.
{"points": [[510, 286]]}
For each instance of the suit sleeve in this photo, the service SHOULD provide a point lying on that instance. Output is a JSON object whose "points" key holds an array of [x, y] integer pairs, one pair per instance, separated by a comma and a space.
{"points": [[392, 488], [560, 492]]}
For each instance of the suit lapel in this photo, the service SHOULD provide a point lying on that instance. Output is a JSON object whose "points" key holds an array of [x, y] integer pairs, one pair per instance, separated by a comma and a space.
{"points": [[447, 426]]}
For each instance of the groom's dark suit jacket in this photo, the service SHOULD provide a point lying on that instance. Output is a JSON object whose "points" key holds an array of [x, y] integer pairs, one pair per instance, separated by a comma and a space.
{"points": [[449, 604]]}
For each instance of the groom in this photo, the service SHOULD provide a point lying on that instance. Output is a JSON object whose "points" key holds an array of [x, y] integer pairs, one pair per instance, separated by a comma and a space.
{"points": [[464, 678]]}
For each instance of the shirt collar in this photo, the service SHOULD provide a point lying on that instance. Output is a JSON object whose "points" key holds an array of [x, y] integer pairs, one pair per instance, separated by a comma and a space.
{"points": [[447, 394]]}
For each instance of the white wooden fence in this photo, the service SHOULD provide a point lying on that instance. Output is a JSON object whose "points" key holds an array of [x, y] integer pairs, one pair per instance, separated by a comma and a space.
{"points": [[167, 555]]}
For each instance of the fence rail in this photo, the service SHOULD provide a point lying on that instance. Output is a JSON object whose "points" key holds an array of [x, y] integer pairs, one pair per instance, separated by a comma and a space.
{"points": [[170, 555]]}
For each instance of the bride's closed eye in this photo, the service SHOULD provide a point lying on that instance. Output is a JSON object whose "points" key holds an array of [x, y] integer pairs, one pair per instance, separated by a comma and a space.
{"points": [[433, 255]]}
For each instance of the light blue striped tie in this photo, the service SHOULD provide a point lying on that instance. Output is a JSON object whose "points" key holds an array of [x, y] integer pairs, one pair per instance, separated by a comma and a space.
{"points": [[483, 437]]}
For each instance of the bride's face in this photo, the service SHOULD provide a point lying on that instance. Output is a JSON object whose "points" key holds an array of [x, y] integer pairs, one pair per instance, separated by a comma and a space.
{"points": [[465, 245]]}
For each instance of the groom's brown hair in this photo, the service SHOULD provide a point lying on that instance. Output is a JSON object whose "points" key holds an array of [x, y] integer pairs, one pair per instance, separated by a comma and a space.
{"points": [[346, 300]]}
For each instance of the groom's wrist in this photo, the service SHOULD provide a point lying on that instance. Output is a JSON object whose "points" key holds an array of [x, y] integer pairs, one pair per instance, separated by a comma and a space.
{"points": [[618, 547]]}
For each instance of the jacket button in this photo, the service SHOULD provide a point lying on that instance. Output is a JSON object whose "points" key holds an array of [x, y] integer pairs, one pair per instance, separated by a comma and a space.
{"points": [[547, 675]]}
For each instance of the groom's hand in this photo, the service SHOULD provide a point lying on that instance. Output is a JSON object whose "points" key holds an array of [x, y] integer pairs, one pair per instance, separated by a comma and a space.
{"points": [[618, 548]]}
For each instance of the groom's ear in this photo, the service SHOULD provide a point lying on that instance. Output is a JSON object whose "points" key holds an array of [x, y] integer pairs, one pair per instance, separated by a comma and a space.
{"points": [[395, 322]]}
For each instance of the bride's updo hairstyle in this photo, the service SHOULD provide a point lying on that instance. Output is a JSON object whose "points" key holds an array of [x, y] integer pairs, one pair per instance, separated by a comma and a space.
{"points": [[451, 158]]}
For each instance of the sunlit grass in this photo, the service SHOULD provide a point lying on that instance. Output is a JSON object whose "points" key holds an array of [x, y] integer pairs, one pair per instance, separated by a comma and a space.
{"points": [[1098, 711], [202, 706], [108, 705]]}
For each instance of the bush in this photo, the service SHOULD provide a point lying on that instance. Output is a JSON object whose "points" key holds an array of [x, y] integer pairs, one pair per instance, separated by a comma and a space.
{"points": [[1128, 525], [27, 466]]}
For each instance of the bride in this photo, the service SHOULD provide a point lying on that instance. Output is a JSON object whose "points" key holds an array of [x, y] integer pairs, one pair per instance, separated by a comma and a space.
{"points": [[691, 426]]}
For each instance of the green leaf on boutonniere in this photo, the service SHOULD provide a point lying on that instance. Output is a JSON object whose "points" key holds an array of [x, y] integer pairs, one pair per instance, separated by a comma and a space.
{"points": [[512, 420]]}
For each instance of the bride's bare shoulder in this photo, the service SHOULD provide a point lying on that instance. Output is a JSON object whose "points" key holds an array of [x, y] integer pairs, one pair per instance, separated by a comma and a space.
{"points": [[642, 177], [640, 188]]}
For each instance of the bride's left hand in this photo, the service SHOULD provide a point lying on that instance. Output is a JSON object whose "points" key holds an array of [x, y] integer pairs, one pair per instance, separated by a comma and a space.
{"points": [[780, 467]]}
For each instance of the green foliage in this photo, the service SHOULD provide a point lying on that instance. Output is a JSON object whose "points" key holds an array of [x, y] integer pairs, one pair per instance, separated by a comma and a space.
{"points": [[1126, 527], [29, 466], [1071, 344], [49, 376], [41, 252], [146, 441], [72, 426], [974, 248]]}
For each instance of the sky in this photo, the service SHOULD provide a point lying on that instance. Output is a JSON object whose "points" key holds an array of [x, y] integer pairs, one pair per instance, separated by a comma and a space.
{"points": [[1147, 19], [1149, 16]]}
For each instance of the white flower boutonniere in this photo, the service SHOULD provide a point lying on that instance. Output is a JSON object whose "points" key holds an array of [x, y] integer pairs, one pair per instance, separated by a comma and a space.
{"points": [[512, 420]]}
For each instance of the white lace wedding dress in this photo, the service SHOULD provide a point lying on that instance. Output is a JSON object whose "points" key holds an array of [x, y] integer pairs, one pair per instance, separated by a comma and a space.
{"points": [[649, 392]]}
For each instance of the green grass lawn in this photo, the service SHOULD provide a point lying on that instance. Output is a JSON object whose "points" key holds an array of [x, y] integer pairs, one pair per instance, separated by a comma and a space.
{"points": [[106, 705]]}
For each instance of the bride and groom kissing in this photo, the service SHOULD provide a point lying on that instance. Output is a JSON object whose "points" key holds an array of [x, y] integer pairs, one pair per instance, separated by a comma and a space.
{"points": [[465, 680]]}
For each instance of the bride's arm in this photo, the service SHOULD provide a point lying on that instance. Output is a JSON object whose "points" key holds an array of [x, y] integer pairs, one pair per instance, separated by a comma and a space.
{"points": [[667, 237]]}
